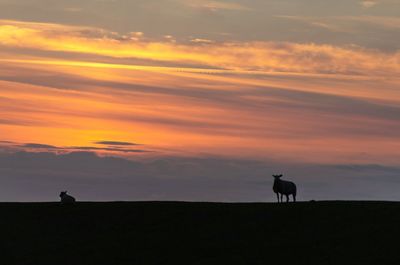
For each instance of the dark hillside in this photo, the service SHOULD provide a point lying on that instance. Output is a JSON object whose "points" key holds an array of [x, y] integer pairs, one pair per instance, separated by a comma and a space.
{"points": [[200, 233]]}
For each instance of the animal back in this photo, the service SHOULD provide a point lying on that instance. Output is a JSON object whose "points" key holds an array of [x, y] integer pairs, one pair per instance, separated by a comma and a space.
{"points": [[288, 187], [67, 199]]}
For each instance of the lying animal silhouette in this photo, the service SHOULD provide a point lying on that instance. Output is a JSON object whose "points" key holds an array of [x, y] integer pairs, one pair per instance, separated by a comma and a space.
{"points": [[282, 187], [66, 199]]}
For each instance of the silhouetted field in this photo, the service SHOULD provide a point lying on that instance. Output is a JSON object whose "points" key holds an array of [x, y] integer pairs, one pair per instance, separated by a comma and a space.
{"points": [[200, 233]]}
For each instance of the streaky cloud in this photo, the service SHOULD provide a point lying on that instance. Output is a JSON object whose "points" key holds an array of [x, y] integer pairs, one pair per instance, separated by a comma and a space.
{"points": [[26, 147], [120, 150], [115, 143], [39, 146], [260, 56]]}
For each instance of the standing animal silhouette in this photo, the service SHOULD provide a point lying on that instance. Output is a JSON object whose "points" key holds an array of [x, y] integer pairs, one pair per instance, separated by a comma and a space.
{"points": [[282, 187], [65, 198]]}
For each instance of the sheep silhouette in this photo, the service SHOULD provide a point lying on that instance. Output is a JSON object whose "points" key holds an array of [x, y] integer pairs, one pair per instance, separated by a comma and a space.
{"points": [[282, 187], [66, 199]]}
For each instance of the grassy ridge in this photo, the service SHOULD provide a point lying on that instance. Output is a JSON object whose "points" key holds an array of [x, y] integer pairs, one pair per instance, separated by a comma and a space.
{"points": [[200, 233]]}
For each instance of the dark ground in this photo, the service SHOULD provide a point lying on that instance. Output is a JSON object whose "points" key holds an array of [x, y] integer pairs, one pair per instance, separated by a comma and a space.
{"points": [[200, 233]]}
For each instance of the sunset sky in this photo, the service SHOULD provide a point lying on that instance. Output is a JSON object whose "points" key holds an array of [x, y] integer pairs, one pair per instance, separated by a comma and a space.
{"points": [[221, 93]]}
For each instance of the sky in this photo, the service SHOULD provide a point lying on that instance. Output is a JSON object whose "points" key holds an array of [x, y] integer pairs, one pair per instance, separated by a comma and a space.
{"points": [[199, 99]]}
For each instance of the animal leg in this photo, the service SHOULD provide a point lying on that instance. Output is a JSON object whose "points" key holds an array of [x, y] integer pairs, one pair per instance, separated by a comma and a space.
{"points": [[294, 198], [281, 197], [277, 195], [287, 198]]}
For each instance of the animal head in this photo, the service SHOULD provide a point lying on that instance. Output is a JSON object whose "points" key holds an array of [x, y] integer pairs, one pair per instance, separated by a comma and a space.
{"points": [[277, 176], [63, 193]]}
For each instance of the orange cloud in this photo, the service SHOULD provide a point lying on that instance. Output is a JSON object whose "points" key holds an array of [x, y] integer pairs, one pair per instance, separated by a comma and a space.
{"points": [[369, 3], [214, 5], [253, 56], [194, 113], [236, 99]]}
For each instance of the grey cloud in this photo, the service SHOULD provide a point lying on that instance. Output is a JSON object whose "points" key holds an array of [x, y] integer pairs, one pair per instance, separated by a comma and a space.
{"points": [[363, 30], [6, 142], [52, 148], [89, 148], [39, 146], [173, 18], [16, 122], [40, 176], [375, 168]]}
